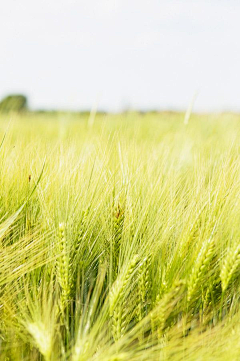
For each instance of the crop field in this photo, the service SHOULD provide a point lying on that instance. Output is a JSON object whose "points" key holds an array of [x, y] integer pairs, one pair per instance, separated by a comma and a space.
{"points": [[119, 237]]}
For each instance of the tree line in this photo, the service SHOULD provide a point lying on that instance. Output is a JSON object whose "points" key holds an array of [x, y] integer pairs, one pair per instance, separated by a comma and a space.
{"points": [[14, 102]]}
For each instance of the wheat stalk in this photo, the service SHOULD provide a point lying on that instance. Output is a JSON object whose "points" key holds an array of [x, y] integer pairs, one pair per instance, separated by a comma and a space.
{"points": [[143, 287]]}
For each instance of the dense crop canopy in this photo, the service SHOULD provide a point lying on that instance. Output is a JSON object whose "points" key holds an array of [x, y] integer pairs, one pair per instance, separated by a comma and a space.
{"points": [[119, 238]]}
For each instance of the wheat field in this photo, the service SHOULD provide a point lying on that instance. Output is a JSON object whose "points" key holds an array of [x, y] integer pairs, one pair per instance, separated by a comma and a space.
{"points": [[119, 237]]}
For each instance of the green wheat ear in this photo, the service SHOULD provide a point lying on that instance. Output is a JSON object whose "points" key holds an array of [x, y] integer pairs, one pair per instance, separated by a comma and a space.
{"points": [[63, 265], [164, 306], [118, 306], [229, 267], [118, 222], [41, 337], [200, 267]]}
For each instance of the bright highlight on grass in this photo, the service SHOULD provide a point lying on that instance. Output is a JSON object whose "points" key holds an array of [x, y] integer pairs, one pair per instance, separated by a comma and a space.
{"points": [[125, 245]]}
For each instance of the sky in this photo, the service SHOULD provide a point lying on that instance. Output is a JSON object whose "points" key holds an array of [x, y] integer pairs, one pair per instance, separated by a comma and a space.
{"points": [[121, 54]]}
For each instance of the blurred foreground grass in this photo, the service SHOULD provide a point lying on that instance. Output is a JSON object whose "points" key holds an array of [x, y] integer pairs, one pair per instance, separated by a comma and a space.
{"points": [[129, 247]]}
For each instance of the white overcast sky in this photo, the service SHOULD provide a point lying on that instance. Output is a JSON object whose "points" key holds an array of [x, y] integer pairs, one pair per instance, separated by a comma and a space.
{"points": [[119, 53]]}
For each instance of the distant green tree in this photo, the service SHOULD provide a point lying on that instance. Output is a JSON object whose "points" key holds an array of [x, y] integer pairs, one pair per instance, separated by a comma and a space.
{"points": [[13, 102]]}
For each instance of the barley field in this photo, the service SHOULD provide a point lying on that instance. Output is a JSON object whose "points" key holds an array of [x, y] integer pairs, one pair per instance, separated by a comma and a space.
{"points": [[119, 237]]}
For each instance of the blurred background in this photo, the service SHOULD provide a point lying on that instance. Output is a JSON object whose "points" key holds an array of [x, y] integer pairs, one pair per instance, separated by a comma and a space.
{"points": [[121, 55]]}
